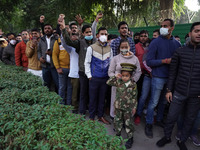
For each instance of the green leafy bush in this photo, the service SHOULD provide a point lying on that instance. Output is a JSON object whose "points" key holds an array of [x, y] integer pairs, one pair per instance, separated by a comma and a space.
{"points": [[32, 118]]}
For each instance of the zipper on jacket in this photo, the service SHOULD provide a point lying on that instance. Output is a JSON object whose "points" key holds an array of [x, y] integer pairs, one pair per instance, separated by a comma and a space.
{"points": [[102, 60], [191, 68], [93, 69]]}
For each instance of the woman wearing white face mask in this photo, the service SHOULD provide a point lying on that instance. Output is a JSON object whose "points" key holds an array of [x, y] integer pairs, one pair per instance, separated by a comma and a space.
{"points": [[124, 56]]}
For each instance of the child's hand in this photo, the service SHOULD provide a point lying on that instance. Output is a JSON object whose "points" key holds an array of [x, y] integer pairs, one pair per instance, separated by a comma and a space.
{"points": [[134, 111], [118, 76]]}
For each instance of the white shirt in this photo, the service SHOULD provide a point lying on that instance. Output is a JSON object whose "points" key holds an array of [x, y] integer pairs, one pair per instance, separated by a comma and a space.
{"points": [[48, 47], [74, 67]]}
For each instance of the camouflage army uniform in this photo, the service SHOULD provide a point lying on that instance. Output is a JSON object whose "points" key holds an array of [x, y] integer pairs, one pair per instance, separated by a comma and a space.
{"points": [[126, 101]]}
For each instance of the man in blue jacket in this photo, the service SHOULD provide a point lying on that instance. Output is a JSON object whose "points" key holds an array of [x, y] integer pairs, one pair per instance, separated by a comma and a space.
{"points": [[97, 61], [159, 58], [183, 88]]}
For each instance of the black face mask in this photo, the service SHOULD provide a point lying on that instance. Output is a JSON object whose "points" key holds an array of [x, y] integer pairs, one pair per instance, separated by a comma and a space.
{"points": [[136, 41], [19, 41], [25, 41]]}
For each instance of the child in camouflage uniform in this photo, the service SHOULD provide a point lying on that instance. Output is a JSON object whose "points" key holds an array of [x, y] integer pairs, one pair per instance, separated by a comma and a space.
{"points": [[126, 101]]}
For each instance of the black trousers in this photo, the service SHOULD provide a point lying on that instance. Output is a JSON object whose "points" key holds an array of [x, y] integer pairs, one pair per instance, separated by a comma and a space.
{"points": [[180, 102]]}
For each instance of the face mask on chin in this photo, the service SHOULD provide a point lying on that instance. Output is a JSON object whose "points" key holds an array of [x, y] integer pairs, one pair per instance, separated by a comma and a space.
{"points": [[25, 41], [19, 41], [124, 51], [164, 31], [89, 38]]}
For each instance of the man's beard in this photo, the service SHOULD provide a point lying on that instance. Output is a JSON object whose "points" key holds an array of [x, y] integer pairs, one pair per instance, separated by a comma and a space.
{"points": [[73, 33]]}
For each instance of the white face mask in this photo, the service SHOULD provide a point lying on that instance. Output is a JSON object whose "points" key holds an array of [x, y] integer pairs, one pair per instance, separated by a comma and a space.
{"points": [[13, 42], [124, 51], [103, 38], [164, 31]]}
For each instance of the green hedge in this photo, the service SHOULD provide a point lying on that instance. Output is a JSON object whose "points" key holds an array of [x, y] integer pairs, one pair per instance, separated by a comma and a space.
{"points": [[32, 118]]}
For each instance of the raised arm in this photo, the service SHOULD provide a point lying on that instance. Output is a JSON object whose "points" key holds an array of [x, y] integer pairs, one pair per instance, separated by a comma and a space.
{"points": [[94, 24], [42, 17], [112, 81], [67, 48], [65, 34]]}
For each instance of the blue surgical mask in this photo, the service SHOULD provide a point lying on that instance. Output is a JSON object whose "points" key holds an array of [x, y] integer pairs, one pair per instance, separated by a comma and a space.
{"points": [[89, 37]]}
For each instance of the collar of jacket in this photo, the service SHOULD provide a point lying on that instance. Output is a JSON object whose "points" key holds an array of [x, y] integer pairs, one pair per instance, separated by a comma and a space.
{"points": [[98, 43], [131, 83], [171, 38], [190, 45], [130, 56], [44, 37], [89, 43]]}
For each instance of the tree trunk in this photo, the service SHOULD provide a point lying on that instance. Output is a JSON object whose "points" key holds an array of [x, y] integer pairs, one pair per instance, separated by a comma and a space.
{"points": [[166, 9]]}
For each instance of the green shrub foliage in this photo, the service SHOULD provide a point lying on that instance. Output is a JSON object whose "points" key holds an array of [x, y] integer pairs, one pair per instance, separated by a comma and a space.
{"points": [[32, 118]]}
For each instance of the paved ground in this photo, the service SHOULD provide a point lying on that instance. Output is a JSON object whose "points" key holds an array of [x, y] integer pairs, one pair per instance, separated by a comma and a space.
{"points": [[141, 142]]}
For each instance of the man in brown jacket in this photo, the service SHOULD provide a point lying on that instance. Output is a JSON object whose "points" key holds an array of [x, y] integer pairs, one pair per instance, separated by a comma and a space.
{"points": [[34, 65]]}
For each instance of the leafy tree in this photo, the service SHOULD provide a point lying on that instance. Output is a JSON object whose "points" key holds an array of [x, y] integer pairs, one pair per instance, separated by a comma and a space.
{"points": [[25, 14]]}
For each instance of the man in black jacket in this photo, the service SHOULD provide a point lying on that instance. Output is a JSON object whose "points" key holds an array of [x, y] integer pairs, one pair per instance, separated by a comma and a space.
{"points": [[184, 83], [44, 51]]}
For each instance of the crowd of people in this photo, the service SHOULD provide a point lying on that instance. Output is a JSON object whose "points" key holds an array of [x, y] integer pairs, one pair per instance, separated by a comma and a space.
{"points": [[126, 76]]}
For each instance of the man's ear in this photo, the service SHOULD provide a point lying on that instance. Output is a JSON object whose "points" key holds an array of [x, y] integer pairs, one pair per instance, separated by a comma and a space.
{"points": [[190, 33], [172, 28]]}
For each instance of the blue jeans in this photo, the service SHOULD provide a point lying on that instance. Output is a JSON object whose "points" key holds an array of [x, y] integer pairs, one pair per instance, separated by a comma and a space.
{"points": [[48, 74], [157, 98], [65, 85], [146, 87]]}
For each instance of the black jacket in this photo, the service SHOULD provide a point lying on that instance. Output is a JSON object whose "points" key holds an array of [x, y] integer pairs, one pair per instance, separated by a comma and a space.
{"points": [[184, 75], [42, 49], [8, 56]]}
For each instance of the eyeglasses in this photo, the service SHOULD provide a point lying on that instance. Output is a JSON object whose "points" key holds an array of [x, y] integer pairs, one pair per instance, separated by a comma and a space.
{"points": [[24, 34]]}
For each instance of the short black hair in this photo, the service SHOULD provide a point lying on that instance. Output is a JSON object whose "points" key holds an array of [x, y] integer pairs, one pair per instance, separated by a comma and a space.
{"points": [[186, 36], [122, 41], [176, 36], [112, 36], [101, 28], [24, 31], [35, 29], [47, 24], [171, 22], [144, 31], [136, 34], [193, 25], [122, 23], [157, 30], [85, 27], [71, 24], [130, 72], [10, 34]]}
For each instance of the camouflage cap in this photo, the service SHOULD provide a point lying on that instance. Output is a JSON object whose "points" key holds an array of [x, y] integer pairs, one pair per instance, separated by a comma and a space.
{"points": [[128, 67]]}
